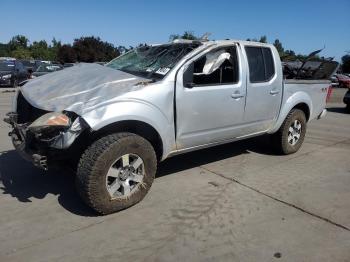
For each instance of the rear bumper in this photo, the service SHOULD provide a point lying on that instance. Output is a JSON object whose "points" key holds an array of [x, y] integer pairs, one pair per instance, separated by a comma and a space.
{"points": [[322, 114]]}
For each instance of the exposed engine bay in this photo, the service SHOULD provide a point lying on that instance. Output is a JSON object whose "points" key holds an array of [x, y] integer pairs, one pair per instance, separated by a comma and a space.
{"points": [[40, 134]]}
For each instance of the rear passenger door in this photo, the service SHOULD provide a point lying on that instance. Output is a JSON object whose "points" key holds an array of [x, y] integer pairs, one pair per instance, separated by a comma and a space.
{"points": [[264, 88]]}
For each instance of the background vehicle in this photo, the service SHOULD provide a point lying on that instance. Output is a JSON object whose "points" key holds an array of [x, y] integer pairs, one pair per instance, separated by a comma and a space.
{"points": [[346, 100], [115, 122], [44, 69], [334, 80], [68, 65], [343, 80], [12, 72], [31, 64]]}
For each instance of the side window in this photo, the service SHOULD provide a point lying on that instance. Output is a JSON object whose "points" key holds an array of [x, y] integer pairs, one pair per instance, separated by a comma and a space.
{"points": [[269, 63], [261, 64], [219, 66]]}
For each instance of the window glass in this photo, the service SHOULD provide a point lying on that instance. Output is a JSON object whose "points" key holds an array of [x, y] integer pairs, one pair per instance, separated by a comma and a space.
{"points": [[256, 64], [261, 64], [218, 66], [269, 65]]}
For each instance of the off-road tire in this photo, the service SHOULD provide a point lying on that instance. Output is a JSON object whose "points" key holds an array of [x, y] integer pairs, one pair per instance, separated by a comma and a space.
{"points": [[95, 163], [280, 138]]}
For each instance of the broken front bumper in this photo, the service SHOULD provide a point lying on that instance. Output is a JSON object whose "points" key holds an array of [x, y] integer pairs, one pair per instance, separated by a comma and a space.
{"points": [[42, 152], [20, 143]]}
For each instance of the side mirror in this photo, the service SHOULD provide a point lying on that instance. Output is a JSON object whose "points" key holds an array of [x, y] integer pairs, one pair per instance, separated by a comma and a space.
{"points": [[188, 76]]}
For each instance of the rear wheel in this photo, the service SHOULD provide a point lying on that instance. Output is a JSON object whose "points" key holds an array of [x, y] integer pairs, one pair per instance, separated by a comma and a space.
{"points": [[116, 172], [290, 136]]}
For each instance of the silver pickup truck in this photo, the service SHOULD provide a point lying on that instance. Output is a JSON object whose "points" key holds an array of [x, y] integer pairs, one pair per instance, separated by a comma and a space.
{"points": [[114, 123]]}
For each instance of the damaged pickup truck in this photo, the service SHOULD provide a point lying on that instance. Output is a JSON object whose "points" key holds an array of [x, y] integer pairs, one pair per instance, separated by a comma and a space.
{"points": [[114, 123]]}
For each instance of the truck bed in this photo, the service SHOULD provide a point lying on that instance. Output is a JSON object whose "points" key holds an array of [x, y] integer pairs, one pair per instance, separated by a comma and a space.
{"points": [[315, 89]]}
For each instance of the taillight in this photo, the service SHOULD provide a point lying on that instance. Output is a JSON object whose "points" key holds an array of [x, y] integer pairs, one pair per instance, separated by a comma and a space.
{"points": [[329, 93]]}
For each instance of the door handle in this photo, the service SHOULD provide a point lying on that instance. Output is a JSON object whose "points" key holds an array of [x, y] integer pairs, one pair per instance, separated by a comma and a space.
{"points": [[274, 92], [237, 96]]}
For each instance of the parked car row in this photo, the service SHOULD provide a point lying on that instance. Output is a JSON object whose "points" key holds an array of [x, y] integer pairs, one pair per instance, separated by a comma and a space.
{"points": [[13, 71], [44, 69]]}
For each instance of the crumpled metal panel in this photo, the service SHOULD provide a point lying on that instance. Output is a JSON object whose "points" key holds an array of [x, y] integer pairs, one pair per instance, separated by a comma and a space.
{"points": [[78, 88]]}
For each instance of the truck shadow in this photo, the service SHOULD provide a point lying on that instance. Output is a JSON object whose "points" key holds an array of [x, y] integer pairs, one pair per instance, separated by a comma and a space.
{"points": [[193, 159], [23, 181]]}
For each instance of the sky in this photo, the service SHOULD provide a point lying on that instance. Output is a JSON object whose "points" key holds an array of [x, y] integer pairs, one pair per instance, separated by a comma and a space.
{"points": [[302, 26]]}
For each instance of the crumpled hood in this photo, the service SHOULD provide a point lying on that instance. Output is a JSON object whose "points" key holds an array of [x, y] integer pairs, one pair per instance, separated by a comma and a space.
{"points": [[78, 88]]}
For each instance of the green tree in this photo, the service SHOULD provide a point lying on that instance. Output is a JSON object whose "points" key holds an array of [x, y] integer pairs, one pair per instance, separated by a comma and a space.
{"points": [[289, 55], [40, 50], [189, 35], [4, 50], [18, 41], [92, 49], [21, 53], [66, 54], [53, 50], [279, 47], [263, 39]]}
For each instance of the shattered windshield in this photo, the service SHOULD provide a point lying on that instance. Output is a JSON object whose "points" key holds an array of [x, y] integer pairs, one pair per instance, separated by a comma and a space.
{"points": [[152, 61]]}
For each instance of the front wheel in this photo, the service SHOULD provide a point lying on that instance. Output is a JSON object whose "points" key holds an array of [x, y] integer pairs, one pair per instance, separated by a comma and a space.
{"points": [[116, 172], [291, 134]]}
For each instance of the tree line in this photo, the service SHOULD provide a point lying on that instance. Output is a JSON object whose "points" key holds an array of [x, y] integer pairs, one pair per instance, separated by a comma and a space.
{"points": [[83, 49], [93, 49]]}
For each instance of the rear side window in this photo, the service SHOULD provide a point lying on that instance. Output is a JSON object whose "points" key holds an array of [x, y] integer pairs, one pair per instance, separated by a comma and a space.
{"points": [[261, 65]]}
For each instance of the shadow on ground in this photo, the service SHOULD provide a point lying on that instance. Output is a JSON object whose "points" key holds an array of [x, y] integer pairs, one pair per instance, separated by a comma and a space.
{"points": [[23, 181]]}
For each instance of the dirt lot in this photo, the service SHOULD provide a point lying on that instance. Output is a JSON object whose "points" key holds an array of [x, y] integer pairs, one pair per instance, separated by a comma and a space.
{"points": [[237, 202]]}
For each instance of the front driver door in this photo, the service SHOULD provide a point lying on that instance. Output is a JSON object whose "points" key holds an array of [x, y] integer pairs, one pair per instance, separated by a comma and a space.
{"points": [[210, 98]]}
